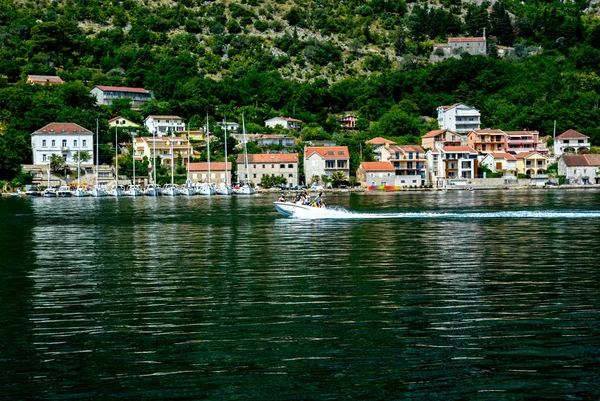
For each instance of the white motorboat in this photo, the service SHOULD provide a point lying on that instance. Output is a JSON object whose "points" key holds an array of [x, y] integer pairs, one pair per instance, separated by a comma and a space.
{"points": [[153, 190], [49, 193], [291, 208], [64, 192], [134, 190], [33, 191], [243, 189], [170, 190], [81, 192], [98, 191], [117, 190]]}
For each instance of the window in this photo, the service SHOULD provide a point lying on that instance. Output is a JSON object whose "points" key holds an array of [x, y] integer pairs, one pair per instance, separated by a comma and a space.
{"points": [[255, 166], [74, 143], [331, 153], [43, 143], [44, 157], [272, 166], [330, 164], [64, 143], [341, 153], [282, 166], [290, 175], [264, 166], [253, 175], [84, 142], [53, 143], [290, 166]]}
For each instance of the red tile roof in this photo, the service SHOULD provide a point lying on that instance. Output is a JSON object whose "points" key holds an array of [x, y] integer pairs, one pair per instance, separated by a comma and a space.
{"points": [[121, 89], [523, 155], [488, 131], [62, 128], [270, 158], [214, 166], [407, 148], [456, 40], [380, 141], [571, 134], [377, 166], [581, 160], [52, 79], [518, 133], [458, 149], [501, 155], [327, 152]]}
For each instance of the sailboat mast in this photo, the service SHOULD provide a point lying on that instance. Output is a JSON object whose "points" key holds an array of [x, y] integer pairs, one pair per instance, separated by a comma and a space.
{"points": [[116, 161], [245, 148], [225, 137], [172, 162], [208, 148], [97, 152], [154, 161], [188, 153], [78, 160], [133, 155]]}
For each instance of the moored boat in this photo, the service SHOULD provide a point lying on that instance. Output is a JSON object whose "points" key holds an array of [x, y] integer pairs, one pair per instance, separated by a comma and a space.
{"points": [[64, 192], [134, 190]]}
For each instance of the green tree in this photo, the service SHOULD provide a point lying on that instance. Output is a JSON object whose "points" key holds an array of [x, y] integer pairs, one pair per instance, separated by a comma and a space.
{"points": [[57, 162], [338, 177]]}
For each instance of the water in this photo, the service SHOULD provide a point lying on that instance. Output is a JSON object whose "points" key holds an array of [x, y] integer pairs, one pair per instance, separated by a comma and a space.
{"points": [[450, 296]]}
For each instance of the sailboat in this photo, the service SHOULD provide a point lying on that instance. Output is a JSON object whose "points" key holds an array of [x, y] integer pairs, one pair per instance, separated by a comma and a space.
{"points": [[134, 189], [153, 189], [244, 188], [206, 188], [224, 188], [98, 190], [171, 189], [79, 192], [117, 190], [49, 192], [188, 189]]}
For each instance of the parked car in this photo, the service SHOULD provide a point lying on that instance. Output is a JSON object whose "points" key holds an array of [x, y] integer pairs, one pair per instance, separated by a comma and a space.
{"points": [[550, 183], [317, 187], [298, 187]]}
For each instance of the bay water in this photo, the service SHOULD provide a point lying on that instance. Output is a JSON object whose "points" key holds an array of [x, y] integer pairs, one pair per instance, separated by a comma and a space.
{"points": [[454, 295]]}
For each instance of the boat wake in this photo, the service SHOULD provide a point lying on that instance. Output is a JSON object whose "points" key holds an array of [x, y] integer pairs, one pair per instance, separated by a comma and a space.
{"points": [[340, 213]]}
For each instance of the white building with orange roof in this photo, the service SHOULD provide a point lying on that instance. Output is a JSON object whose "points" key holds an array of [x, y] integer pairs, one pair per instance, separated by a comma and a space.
{"points": [[376, 174], [284, 122], [219, 172], [325, 160], [459, 118], [451, 162], [501, 162], [164, 125], [166, 148], [62, 139], [487, 141], [273, 164], [442, 137], [106, 94], [571, 141]]}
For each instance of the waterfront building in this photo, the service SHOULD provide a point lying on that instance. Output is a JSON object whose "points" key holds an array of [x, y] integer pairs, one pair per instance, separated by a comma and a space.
{"points": [[106, 94], [62, 139], [408, 162], [44, 80], [531, 163], [524, 141], [275, 139], [284, 122], [459, 118], [441, 137], [164, 125], [374, 174], [580, 169], [450, 163], [486, 141], [378, 143], [274, 164], [571, 141], [501, 162], [122, 122], [166, 148], [325, 160], [219, 171]]}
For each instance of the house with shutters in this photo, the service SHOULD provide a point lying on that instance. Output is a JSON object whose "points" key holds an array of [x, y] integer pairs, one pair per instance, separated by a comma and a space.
{"points": [[325, 160], [580, 169], [219, 172], [500, 162], [273, 164], [487, 141], [164, 125], [376, 174], [571, 141], [459, 117], [63, 139]]}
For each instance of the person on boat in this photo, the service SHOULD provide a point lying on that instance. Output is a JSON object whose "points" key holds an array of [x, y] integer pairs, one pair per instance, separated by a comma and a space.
{"points": [[281, 198]]}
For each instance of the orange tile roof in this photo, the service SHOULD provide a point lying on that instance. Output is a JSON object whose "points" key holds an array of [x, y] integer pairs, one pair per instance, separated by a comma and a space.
{"points": [[327, 152], [380, 141], [433, 133], [488, 131], [457, 40], [581, 160], [121, 89], [502, 155], [458, 149], [517, 133], [62, 128], [408, 148], [215, 166], [53, 79], [377, 166], [571, 134], [270, 158], [523, 155]]}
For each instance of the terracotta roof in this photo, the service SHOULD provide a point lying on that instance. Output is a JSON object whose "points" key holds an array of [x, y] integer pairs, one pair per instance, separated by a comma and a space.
{"points": [[455, 40], [488, 131], [434, 133], [164, 117], [270, 158], [62, 128], [581, 160], [408, 148], [501, 155], [523, 155], [377, 166], [518, 133], [53, 79], [380, 141], [121, 89], [327, 152], [458, 149], [571, 134], [203, 166]]}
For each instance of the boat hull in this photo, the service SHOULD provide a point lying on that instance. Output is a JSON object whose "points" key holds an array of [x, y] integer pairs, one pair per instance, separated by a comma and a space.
{"points": [[289, 209]]}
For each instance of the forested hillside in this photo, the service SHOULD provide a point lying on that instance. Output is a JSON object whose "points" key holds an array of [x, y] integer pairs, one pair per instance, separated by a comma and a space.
{"points": [[312, 60]]}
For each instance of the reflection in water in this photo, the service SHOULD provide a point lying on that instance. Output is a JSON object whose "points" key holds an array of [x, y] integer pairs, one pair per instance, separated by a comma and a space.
{"points": [[219, 298]]}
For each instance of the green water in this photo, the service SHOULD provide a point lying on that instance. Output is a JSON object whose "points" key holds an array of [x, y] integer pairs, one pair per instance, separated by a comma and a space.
{"points": [[449, 296]]}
